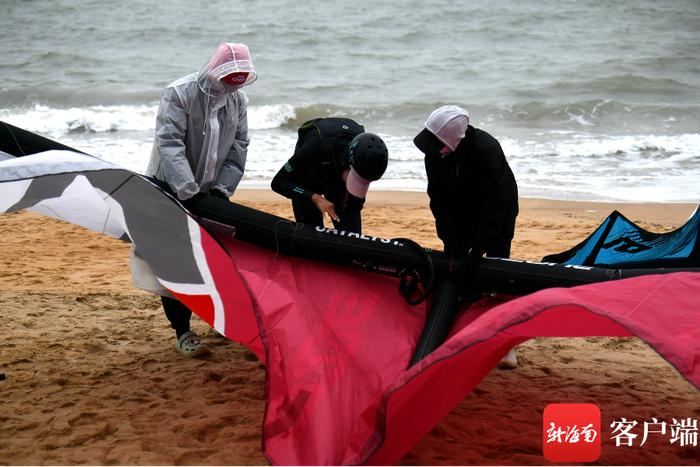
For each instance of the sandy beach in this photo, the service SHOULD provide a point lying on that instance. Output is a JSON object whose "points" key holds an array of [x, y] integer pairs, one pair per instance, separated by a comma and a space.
{"points": [[92, 376]]}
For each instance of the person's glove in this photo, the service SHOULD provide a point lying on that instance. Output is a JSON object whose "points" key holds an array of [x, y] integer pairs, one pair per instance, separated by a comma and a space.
{"points": [[471, 264], [465, 275]]}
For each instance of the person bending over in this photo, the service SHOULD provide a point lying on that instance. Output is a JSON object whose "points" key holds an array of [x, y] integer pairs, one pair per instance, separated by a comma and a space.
{"points": [[333, 164]]}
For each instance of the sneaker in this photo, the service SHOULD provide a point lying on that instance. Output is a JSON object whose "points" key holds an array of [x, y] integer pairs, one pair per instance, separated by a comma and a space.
{"points": [[510, 361], [190, 345]]}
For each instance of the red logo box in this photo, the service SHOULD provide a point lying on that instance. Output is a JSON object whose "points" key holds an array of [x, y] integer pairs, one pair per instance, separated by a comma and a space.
{"points": [[571, 432]]}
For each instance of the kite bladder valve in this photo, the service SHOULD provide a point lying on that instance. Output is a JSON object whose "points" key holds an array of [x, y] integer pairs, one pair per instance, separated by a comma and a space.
{"points": [[409, 279]]}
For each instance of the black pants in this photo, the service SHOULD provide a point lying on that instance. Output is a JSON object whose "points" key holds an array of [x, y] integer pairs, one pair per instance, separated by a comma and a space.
{"points": [[307, 212], [501, 249], [178, 315]]}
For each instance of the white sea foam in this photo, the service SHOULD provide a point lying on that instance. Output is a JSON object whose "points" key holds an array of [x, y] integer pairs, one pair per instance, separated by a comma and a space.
{"points": [[556, 164], [57, 122], [264, 117], [641, 167]]}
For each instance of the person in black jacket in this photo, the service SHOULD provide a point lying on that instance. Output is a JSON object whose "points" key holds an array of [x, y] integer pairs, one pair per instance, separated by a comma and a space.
{"points": [[333, 164], [472, 190]]}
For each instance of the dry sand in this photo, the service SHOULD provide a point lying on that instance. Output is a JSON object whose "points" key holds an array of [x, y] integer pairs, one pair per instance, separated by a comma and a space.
{"points": [[92, 376]]}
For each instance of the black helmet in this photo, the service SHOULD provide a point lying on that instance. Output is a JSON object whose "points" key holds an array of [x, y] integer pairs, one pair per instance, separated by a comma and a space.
{"points": [[368, 155]]}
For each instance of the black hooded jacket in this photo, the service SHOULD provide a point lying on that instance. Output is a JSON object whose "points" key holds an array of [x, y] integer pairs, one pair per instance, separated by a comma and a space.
{"points": [[473, 194]]}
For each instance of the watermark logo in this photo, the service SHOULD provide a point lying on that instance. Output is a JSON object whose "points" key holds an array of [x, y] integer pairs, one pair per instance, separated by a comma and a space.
{"points": [[571, 432], [682, 432]]}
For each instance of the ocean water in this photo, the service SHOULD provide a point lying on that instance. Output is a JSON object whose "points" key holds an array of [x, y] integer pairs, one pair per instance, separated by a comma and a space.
{"points": [[590, 99]]}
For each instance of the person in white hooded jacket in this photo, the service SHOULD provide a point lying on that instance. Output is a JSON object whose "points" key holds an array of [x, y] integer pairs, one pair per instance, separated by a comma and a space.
{"points": [[200, 148]]}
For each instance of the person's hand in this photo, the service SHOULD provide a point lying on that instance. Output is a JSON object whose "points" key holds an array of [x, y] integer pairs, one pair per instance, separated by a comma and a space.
{"points": [[325, 206]]}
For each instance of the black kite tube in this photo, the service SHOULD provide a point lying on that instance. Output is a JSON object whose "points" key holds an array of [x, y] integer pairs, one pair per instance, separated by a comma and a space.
{"points": [[385, 256], [439, 320], [392, 257]]}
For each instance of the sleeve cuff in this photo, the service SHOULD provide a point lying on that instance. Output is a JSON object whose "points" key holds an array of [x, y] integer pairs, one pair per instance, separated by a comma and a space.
{"points": [[187, 191]]}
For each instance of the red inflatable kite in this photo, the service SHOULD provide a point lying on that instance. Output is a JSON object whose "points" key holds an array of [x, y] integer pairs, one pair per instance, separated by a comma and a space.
{"points": [[336, 337]]}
